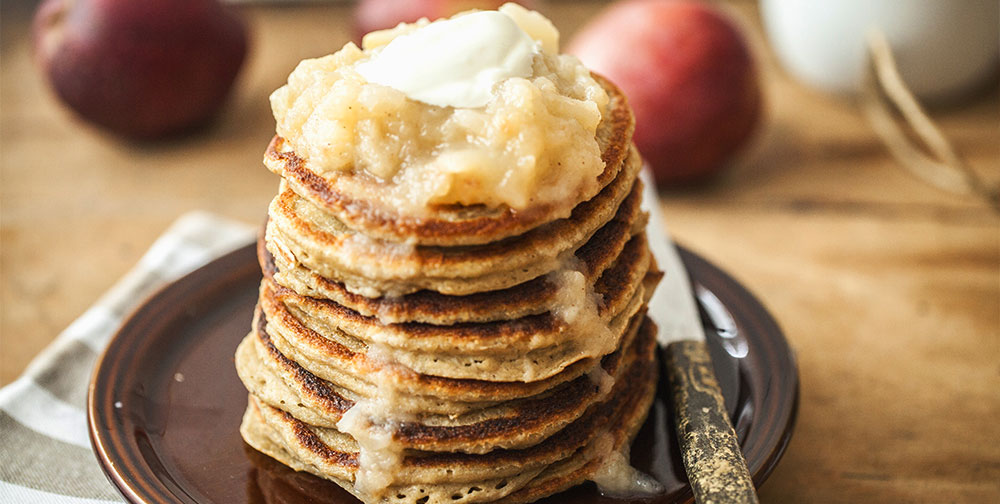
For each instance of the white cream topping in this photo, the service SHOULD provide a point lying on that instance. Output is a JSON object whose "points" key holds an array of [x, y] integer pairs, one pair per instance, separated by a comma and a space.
{"points": [[454, 62]]}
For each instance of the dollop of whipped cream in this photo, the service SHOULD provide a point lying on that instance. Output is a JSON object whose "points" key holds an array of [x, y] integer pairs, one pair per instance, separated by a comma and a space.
{"points": [[454, 62]]}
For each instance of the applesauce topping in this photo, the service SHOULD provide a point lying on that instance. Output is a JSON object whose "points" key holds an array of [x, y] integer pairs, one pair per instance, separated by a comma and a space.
{"points": [[372, 423], [616, 478], [531, 143]]}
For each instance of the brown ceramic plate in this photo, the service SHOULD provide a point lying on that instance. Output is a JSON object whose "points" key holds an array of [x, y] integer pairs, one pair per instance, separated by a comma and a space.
{"points": [[165, 402]]}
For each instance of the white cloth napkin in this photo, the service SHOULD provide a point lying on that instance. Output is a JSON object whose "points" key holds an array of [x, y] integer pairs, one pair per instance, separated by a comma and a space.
{"points": [[45, 452]]}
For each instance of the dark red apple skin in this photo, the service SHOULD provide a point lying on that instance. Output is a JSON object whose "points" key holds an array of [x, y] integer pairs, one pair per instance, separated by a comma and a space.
{"points": [[142, 69], [371, 15], [689, 76]]}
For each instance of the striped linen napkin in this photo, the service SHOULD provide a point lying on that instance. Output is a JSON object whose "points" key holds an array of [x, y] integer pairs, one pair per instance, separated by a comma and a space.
{"points": [[45, 453]]}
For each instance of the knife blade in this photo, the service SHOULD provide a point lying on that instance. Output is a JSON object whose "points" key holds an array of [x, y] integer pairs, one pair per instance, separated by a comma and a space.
{"points": [[713, 461]]}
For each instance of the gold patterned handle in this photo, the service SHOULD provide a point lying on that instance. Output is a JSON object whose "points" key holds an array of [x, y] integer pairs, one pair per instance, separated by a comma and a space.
{"points": [[711, 452]]}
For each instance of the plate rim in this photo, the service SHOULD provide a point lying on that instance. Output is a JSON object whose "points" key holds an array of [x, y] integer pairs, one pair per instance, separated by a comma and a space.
{"points": [[787, 412]]}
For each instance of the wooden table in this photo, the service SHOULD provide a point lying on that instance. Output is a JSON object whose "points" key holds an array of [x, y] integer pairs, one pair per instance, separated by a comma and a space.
{"points": [[888, 290]]}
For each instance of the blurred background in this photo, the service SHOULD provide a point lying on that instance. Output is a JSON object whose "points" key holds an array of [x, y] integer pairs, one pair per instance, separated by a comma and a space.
{"points": [[886, 283]]}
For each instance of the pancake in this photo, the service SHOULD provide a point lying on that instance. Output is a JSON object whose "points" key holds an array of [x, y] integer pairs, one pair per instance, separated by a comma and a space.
{"points": [[528, 298], [616, 287], [567, 343], [460, 426], [350, 369], [458, 225], [561, 460], [299, 233]]}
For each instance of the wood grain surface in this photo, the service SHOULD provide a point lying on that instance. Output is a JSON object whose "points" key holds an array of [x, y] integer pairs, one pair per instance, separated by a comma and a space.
{"points": [[889, 290]]}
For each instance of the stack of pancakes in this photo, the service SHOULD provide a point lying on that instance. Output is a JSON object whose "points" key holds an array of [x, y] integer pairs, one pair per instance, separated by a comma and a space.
{"points": [[473, 355]]}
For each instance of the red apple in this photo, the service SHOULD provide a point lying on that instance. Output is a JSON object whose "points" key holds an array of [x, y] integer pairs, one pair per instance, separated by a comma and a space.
{"points": [[372, 15], [142, 69], [689, 76]]}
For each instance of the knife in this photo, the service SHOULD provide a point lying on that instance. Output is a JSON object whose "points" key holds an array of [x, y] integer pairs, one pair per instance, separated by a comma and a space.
{"points": [[710, 450]]}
